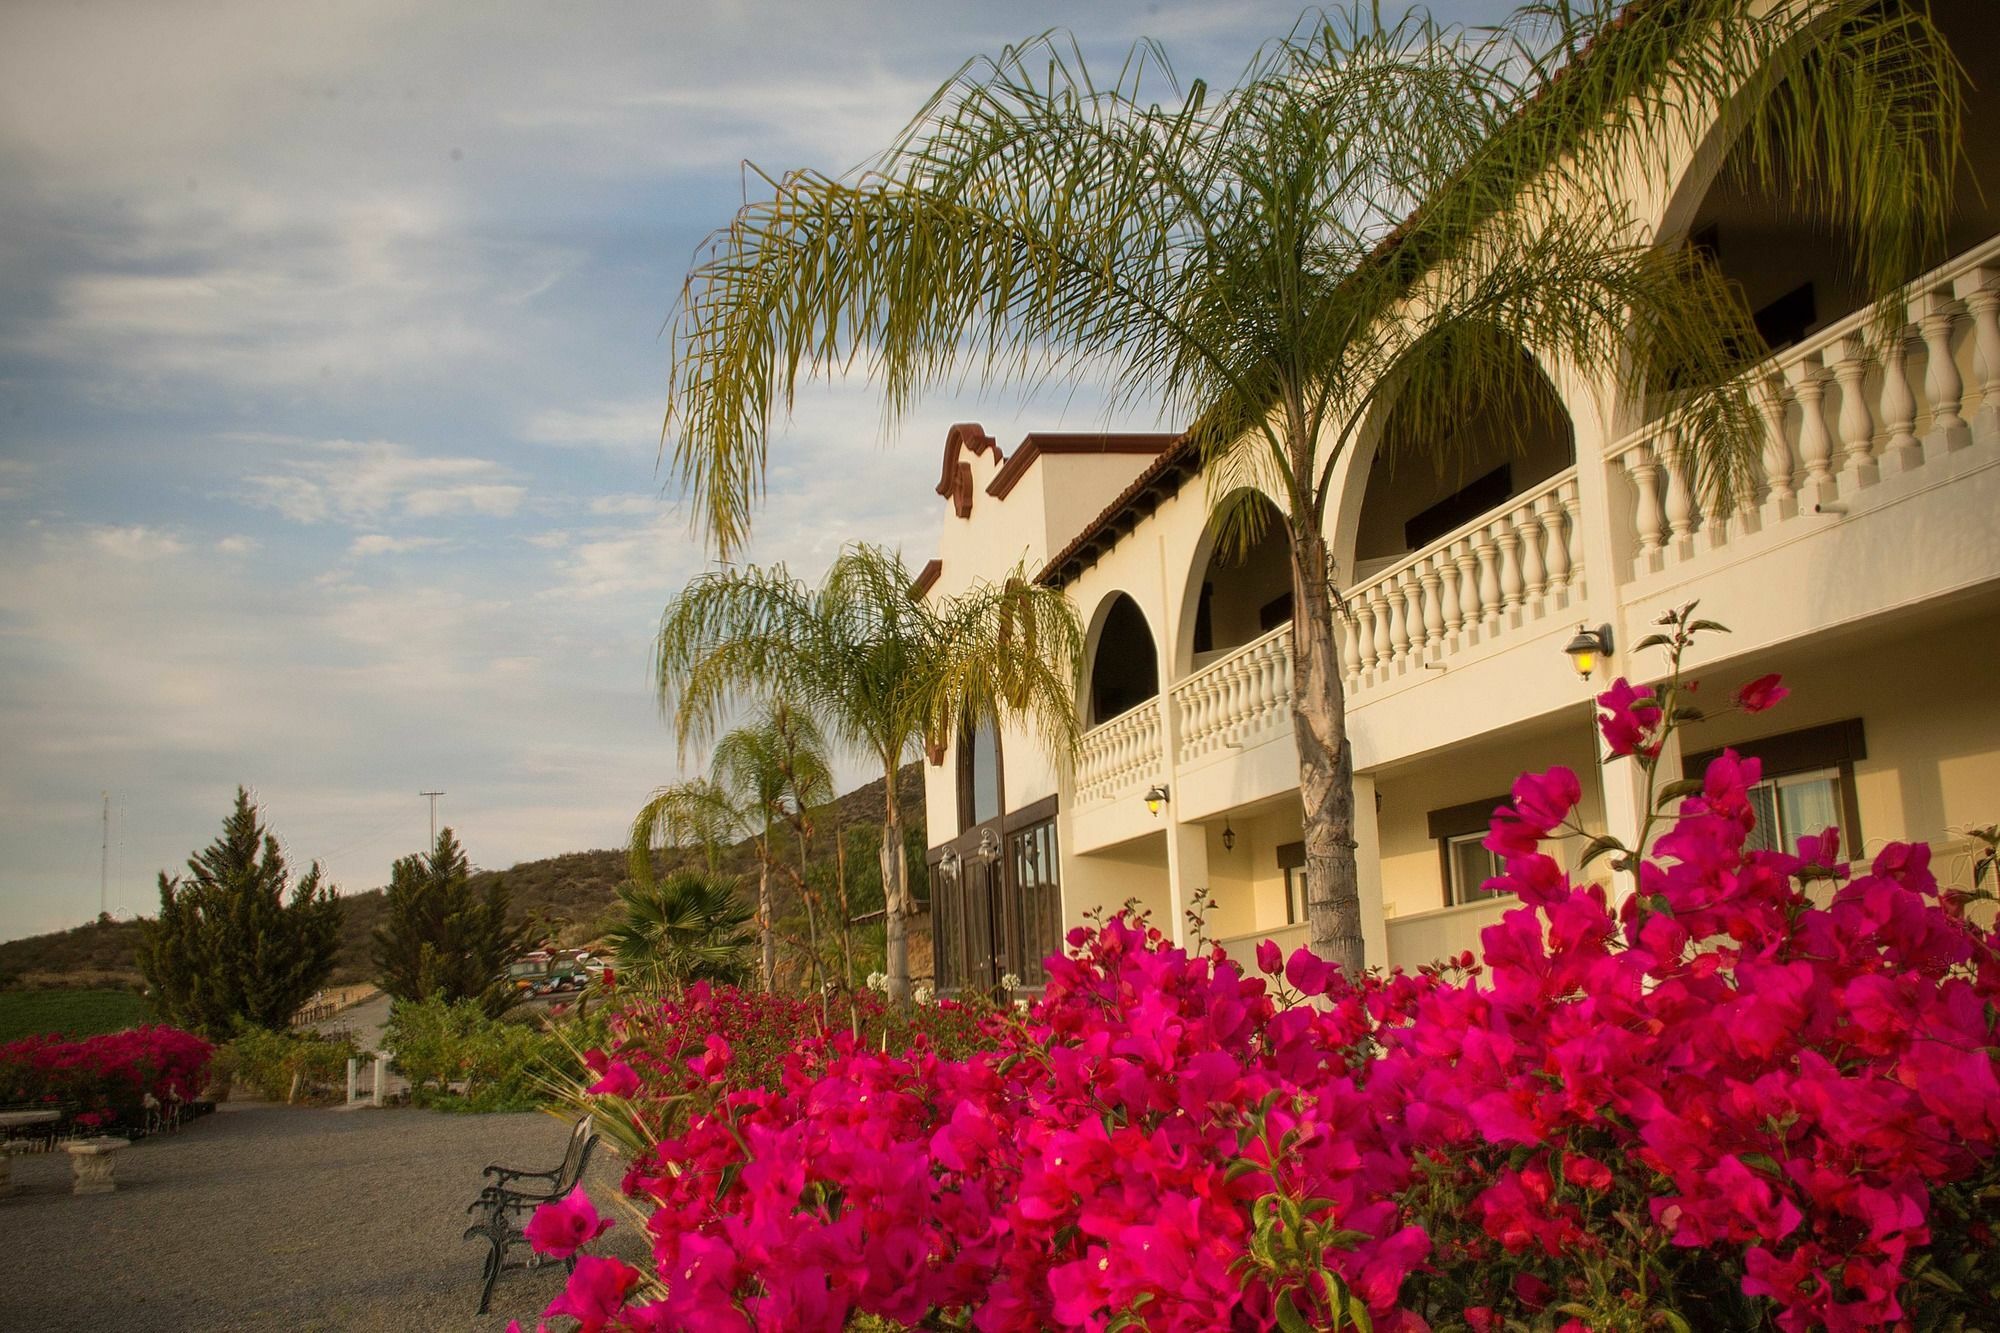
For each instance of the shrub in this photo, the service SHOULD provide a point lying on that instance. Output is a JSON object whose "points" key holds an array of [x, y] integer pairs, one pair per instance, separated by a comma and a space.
{"points": [[1726, 1103], [293, 1066], [103, 1081], [457, 1058]]}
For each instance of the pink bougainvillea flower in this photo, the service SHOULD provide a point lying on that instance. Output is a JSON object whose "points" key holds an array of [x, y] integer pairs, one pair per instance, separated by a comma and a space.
{"points": [[1764, 692], [562, 1227], [596, 1292], [617, 1080], [713, 1059], [1270, 958], [1631, 718]]}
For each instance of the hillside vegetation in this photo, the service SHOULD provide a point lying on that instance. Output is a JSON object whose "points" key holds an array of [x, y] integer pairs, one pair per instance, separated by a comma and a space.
{"points": [[568, 896]]}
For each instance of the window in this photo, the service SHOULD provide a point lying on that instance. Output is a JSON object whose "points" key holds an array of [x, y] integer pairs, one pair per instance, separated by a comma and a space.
{"points": [[1034, 908], [1807, 786], [1795, 806], [978, 774], [1292, 864], [1468, 866], [1463, 865]]}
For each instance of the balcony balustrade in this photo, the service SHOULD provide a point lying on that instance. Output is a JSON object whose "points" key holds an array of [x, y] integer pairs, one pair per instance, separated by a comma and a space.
{"points": [[1120, 754], [1864, 400]]}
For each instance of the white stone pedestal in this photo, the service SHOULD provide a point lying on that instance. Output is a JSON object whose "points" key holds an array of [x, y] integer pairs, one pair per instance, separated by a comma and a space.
{"points": [[91, 1159]]}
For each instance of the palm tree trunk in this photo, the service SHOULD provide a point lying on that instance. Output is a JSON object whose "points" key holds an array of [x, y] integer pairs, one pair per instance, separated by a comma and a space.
{"points": [[1326, 763], [767, 942], [895, 896], [846, 912]]}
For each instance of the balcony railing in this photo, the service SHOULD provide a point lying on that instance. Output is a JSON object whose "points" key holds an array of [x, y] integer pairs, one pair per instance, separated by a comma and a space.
{"points": [[1507, 569], [1844, 410], [1242, 700], [1120, 754]]}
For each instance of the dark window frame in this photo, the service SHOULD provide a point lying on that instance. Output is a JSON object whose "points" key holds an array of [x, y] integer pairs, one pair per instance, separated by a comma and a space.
{"points": [[1454, 822], [1835, 745]]}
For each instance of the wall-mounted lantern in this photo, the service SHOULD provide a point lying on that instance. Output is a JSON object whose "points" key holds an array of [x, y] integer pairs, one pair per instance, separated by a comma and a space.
{"points": [[1587, 647], [1156, 797], [989, 846], [948, 867], [1228, 837]]}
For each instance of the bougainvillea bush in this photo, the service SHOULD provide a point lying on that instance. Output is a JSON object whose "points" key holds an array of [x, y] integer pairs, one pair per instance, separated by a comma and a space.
{"points": [[104, 1080], [1760, 1093]]}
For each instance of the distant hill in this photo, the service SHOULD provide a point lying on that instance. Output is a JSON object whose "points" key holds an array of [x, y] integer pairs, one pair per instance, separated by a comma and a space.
{"points": [[569, 894]]}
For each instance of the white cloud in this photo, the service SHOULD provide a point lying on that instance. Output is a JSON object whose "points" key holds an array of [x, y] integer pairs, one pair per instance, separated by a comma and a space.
{"points": [[552, 540], [376, 543], [354, 482], [628, 425], [237, 545], [625, 504], [137, 542]]}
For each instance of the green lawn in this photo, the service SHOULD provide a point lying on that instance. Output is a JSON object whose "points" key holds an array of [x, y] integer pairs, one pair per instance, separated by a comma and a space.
{"points": [[75, 1013]]}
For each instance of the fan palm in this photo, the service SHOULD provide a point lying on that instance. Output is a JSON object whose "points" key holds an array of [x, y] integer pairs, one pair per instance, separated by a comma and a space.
{"points": [[1375, 212], [883, 671], [687, 927]]}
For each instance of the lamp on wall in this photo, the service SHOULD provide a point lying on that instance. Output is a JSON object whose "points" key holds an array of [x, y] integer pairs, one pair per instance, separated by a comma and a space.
{"points": [[1156, 796], [1228, 837], [948, 865], [989, 846], [1587, 647]]}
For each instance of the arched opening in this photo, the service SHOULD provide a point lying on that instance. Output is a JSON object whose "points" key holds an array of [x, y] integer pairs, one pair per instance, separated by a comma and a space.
{"points": [[1124, 665], [1792, 267], [1443, 476], [978, 773], [1242, 592]]}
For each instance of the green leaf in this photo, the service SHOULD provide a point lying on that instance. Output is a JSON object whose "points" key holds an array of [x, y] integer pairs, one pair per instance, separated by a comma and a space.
{"points": [[1675, 791], [1601, 845], [1289, 1318]]}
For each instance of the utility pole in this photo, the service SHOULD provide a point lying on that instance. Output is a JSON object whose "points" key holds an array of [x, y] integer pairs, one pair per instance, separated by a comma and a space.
{"points": [[434, 818], [104, 862]]}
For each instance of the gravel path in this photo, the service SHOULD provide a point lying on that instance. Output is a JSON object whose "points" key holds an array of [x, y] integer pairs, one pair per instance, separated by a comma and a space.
{"points": [[283, 1219]]}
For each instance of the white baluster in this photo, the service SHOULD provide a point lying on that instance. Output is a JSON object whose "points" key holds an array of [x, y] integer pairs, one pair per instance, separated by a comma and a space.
{"points": [[1449, 603], [1489, 578], [1808, 379], [1364, 615], [1511, 584], [1350, 649], [1942, 383], [1649, 519], [1385, 642], [1857, 423], [1468, 587], [1567, 498], [1399, 622], [1534, 574], [1433, 605], [1679, 501], [1901, 451], [1555, 557], [1413, 613], [1780, 498], [1981, 292]]}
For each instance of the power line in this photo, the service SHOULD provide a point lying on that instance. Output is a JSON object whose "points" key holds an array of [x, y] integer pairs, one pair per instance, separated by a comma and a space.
{"points": [[104, 861]]}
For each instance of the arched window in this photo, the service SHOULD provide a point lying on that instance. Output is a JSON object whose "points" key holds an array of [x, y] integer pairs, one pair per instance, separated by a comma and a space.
{"points": [[1434, 482], [978, 773], [1124, 668], [1244, 593], [1794, 270]]}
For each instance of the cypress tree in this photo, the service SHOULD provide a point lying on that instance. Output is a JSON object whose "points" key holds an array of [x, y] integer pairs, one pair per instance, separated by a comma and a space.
{"points": [[228, 947], [441, 938]]}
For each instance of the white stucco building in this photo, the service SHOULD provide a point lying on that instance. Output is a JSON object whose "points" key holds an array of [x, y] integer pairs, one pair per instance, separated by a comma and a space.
{"points": [[1866, 569]]}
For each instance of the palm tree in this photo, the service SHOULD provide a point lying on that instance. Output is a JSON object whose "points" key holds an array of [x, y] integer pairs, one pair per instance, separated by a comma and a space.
{"points": [[1373, 213], [882, 670], [759, 774], [687, 927]]}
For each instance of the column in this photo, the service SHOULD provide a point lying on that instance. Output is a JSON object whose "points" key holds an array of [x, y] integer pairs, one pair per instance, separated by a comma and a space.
{"points": [[1187, 869], [1368, 873]]}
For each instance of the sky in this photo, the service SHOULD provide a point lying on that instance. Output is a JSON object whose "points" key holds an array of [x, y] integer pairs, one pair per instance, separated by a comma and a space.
{"points": [[331, 380]]}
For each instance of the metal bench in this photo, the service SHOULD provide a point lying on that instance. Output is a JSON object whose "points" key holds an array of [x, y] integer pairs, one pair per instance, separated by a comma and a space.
{"points": [[503, 1206]]}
